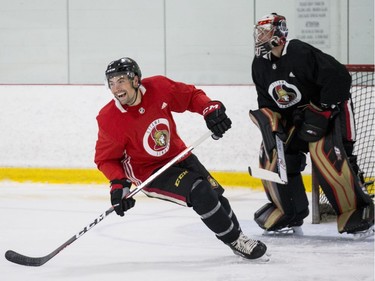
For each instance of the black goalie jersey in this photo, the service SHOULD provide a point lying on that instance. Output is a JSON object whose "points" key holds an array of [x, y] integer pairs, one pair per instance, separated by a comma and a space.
{"points": [[301, 75]]}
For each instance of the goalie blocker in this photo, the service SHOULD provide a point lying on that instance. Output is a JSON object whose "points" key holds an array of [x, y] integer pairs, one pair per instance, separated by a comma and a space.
{"points": [[288, 204]]}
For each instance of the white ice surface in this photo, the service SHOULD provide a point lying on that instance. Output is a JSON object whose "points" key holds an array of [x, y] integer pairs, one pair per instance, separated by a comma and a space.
{"points": [[158, 240]]}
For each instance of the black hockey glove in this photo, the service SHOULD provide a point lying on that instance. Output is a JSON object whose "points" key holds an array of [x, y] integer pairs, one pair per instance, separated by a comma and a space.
{"points": [[119, 189], [312, 122], [216, 119]]}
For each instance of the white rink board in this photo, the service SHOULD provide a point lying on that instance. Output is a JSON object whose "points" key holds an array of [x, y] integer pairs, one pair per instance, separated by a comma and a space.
{"points": [[55, 126]]}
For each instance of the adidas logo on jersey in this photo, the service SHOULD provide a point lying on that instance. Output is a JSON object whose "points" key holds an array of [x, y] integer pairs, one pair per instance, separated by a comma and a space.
{"points": [[164, 105], [291, 74]]}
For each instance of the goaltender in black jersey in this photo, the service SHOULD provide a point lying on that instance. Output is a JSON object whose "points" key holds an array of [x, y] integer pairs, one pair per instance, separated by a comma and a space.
{"points": [[304, 99]]}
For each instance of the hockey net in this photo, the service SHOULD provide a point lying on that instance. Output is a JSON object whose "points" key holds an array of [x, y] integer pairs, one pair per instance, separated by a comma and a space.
{"points": [[363, 97]]}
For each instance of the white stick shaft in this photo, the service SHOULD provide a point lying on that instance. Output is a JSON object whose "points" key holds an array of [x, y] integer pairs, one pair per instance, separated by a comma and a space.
{"points": [[169, 164], [281, 164]]}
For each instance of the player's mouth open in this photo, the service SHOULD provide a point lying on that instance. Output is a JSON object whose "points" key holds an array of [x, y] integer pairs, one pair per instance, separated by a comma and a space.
{"points": [[121, 95]]}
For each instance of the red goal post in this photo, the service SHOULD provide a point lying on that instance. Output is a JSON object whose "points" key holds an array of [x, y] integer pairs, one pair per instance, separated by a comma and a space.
{"points": [[363, 97]]}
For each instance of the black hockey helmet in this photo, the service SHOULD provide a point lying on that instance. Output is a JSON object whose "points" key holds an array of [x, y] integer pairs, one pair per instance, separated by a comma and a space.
{"points": [[270, 31], [124, 66]]}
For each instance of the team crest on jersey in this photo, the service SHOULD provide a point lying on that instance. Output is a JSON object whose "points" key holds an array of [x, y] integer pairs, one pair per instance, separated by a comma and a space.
{"points": [[284, 94], [156, 140], [212, 182]]}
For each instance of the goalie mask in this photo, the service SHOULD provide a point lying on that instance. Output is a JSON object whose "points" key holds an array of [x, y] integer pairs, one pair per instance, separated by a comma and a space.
{"points": [[269, 32]]}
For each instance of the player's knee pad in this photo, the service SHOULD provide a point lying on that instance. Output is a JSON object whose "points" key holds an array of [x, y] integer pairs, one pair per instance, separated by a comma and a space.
{"points": [[202, 197], [206, 204]]}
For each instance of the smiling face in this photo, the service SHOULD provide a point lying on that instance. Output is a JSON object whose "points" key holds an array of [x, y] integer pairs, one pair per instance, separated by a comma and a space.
{"points": [[124, 89]]}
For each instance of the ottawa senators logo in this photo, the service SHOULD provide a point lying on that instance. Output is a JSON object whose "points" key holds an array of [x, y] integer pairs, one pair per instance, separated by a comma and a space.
{"points": [[161, 138], [156, 140], [284, 97], [284, 94]]}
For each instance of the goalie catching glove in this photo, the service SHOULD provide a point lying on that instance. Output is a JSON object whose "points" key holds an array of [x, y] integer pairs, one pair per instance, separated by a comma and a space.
{"points": [[119, 190], [216, 119], [312, 122]]}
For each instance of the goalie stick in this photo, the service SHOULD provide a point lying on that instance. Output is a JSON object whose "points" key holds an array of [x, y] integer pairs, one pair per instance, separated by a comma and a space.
{"points": [[265, 175], [281, 164], [17, 258], [281, 176]]}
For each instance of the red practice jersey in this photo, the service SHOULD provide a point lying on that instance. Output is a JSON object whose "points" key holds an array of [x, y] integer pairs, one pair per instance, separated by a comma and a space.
{"points": [[134, 141]]}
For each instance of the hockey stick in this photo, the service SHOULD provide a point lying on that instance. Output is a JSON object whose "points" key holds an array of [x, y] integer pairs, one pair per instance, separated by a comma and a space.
{"points": [[281, 164], [265, 175], [281, 176], [15, 257]]}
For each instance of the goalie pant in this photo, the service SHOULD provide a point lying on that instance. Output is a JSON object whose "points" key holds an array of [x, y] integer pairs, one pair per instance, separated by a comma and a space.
{"points": [[288, 203]]}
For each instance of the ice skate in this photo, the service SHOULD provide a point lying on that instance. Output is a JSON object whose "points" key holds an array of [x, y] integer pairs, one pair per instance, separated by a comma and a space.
{"points": [[248, 248], [370, 232], [361, 222], [293, 230]]}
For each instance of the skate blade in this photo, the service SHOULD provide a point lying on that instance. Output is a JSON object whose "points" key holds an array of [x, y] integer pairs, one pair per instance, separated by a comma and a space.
{"points": [[289, 231], [263, 259]]}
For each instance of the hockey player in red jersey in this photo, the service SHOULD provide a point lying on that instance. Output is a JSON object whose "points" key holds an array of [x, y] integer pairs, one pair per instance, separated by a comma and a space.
{"points": [[304, 99], [137, 136]]}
